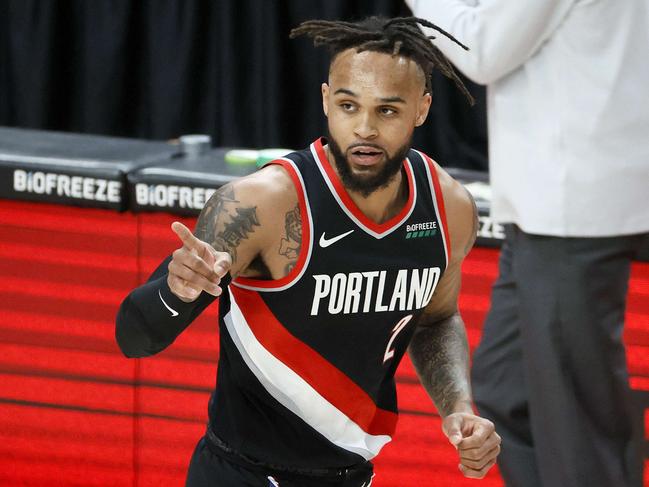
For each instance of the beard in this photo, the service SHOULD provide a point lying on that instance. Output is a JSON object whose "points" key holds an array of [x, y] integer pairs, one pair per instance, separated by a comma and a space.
{"points": [[366, 184]]}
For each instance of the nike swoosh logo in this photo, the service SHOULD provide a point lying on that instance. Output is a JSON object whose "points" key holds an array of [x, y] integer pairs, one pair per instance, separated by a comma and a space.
{"points": [[173, 311], [326, 242]]}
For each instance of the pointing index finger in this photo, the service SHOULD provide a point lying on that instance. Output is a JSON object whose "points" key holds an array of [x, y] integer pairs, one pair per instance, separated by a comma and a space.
{"points": [[185, 235]]}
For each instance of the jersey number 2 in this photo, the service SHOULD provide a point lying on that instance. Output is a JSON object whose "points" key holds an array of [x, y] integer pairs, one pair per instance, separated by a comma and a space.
{"points": [[401, 324]]}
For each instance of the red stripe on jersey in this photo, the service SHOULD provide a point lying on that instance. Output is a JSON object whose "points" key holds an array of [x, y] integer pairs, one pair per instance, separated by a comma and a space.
{"points": [[327, 380], [342, 194], [440, 204], [306, 237]]}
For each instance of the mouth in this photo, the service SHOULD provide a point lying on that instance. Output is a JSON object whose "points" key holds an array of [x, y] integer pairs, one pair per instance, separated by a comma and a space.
{"points": [[365, 155]]}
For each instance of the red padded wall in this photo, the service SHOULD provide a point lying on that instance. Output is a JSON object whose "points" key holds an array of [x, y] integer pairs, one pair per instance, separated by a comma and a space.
{"points": [[175, 384], [74, 412], [66, 393]]}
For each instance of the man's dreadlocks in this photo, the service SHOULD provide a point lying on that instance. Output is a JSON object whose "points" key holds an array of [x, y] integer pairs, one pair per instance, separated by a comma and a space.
{"points": [[397, 36]]}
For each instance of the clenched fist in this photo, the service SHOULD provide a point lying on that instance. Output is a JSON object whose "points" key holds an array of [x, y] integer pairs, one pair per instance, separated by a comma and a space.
{"points": [[195, 266], [476, 441]]}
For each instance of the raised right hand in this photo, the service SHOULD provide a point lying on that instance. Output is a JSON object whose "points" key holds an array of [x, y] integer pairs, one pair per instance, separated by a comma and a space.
{"points": [[196, 266]]}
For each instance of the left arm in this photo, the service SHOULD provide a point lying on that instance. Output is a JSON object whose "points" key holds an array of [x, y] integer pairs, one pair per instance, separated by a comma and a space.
{"points": [[440, 354], [439, 348]]}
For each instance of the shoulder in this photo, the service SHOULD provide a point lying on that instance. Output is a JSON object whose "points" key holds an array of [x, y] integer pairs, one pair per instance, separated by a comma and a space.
{"points": [[269, 186], [268, 194], [258, 198], [461, 214], [246, 216]]}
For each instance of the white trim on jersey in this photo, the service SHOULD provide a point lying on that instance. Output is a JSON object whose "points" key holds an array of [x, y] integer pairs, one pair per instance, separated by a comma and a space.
{"points": [[431, 185], [349, 213], [294, 393], [302, 188]]}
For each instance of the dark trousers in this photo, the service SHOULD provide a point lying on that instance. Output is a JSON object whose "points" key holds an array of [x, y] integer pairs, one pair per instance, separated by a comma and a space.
{"points": [[209, 469], [550, 370]]}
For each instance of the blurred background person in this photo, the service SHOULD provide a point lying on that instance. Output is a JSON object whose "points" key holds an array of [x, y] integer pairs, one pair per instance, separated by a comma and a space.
{"points": [[569, 165]]}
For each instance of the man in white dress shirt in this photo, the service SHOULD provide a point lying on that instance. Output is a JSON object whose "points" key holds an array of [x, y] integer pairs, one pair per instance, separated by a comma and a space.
{"points": [[568, 121]]}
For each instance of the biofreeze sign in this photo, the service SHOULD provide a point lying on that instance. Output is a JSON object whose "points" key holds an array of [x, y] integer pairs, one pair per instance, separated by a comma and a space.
{"points": [[66, 186], [490, 229], [172, 196]]}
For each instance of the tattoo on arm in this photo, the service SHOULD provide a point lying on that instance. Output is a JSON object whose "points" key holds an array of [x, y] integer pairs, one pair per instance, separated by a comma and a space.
{"points": [[290, 245], [223, 223], [476, 223], [440, 354]]}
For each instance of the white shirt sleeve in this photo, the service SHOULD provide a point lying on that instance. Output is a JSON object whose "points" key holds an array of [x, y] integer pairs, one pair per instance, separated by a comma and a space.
{"points": [[501, 34]]}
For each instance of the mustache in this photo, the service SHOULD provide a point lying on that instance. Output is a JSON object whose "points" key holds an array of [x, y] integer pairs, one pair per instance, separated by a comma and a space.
{"points": [[365, 144]]}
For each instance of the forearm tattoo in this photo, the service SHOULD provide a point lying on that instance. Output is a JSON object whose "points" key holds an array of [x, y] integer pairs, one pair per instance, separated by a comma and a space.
{"points": [[290, 245], [440, 354], [223, 223]]}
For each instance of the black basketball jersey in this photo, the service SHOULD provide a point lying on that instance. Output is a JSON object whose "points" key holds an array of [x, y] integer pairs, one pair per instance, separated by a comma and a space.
{"points": [[306, 372]]}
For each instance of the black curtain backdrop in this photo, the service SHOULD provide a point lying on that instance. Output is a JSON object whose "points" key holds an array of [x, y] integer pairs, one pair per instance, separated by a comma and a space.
{"points": [[160, 69]]}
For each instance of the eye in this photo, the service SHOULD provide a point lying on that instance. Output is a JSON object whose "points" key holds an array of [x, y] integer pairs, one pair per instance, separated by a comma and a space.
{"points": [[387, 111], [347, 107]]}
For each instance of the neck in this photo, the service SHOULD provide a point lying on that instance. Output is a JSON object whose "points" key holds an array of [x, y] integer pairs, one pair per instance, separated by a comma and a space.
{"points": [[382, 204]]}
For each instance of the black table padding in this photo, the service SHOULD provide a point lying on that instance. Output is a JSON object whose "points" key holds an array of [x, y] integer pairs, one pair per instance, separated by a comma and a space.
{"points": [[183, 184], [73, 169]]}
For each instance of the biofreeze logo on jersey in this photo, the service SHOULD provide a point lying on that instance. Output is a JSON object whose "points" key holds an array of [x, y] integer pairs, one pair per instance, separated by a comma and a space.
{"points": [[365, 292], [172, 196], [418, 230], [79, 187], [418, 227]]}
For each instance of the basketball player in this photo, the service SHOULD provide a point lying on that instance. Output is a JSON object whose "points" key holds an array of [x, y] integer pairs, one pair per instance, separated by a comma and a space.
{"points": [[329, 264]]}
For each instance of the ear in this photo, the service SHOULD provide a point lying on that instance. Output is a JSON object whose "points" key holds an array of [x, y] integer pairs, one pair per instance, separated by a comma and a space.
{"points": [[325, 98], [423, 108]]}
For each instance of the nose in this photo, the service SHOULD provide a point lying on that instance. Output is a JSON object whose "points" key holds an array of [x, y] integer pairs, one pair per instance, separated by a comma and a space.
{"points": [[365, 127]]}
